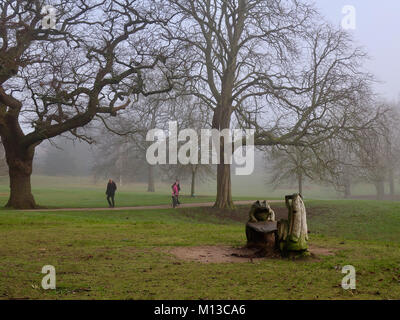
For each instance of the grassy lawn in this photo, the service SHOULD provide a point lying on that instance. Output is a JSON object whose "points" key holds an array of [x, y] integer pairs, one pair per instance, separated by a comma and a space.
{"points": [[84, 192], [123, 255], [71, 192]]}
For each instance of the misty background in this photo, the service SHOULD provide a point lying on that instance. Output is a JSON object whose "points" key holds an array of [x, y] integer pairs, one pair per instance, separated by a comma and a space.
{"points": [[377, 28]]}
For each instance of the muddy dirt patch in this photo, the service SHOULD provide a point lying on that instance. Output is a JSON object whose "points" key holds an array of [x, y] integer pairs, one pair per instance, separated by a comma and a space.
{"points": [[228, 254], [212, 254]]}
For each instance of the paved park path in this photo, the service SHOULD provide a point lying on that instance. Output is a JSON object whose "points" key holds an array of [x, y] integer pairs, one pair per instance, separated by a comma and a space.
{"points": [[163, 206]]}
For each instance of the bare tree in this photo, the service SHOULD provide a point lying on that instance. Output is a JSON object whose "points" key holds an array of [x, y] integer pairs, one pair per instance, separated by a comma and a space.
{"points": [[340, 163], [189, 113], [370, 154], [392, 144], [121, 145], [291, 163], [271, 65], [55, 80], [373, 160], [378, 151]]}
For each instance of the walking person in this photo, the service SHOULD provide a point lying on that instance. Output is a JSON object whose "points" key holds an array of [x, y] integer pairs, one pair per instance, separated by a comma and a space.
{"points": [[179, 190], [110, 192], [175, 194]]}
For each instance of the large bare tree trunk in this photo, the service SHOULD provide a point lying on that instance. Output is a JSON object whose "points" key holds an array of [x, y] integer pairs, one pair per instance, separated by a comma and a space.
{"points": [[224, 193], [221, 121], [20, 161], [150, 179], [300, 181]]}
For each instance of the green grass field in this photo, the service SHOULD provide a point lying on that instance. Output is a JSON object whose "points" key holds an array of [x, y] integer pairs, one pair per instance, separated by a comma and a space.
{"points": [[82, 192], [123, 254]]}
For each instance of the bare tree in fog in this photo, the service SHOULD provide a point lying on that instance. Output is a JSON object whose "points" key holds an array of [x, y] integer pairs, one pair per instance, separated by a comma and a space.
{"points": [[290, 164], [115, 157], [378, 152], [393, 145], [341, 165], [274, 67], [56, 80], [332, 162], [370, 154], [121, 145], [189, 113], [335, 160]]}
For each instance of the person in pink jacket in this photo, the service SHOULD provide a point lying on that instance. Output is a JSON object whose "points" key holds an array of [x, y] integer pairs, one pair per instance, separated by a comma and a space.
{"points": [[175, 194]]}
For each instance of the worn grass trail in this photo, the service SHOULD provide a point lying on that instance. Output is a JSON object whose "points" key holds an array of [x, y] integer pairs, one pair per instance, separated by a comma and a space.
{"points": [[165, 206]]}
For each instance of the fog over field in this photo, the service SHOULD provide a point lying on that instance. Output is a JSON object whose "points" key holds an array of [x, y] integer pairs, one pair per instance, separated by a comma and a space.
{"points": [[75, 161], [376, 30], [100, 150]]}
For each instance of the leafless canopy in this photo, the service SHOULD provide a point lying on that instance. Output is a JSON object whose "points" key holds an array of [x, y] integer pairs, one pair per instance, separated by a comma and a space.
{"points": [[93, 62], [275, 66]]}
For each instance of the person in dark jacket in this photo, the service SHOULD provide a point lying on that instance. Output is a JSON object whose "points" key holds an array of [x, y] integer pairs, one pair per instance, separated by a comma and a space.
{"points": [[110, 192]]}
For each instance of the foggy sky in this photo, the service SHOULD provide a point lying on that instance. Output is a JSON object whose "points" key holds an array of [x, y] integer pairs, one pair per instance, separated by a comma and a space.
{"points": [[378, 31]]}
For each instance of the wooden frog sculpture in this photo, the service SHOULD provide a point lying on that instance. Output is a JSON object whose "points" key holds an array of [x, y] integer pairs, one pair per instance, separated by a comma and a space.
{"points": [[261, 211]]}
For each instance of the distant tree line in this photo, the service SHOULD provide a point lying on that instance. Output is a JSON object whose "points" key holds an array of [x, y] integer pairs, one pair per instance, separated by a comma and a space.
{"points": [[128, 66], [370, 155]]}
